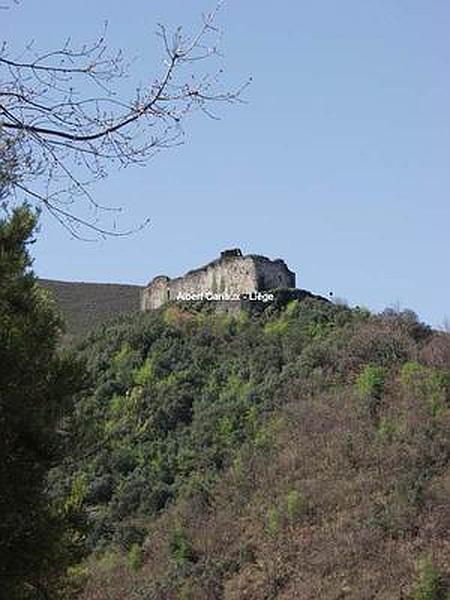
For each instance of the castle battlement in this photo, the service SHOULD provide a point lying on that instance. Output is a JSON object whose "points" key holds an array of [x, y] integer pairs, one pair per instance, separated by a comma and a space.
{"points": [[231, 274]]}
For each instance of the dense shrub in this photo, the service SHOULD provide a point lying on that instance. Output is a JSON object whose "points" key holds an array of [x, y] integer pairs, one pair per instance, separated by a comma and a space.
{"points": [[221, 452], [430, 584], [39, 535]]}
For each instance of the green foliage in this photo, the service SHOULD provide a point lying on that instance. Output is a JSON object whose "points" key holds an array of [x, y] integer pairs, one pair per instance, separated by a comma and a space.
{"points": [[242, 319], [370, 385], [386, 429], [176, 394], [180, 547], [74, 500], [430, 584], [38, 538], [277, 327], [11, 167], [273, 523], [296, 506], [167, 407], [135, 557], [108, 561], [185, 403], [144, 374], [180, 396], [265, 434], [288, 512], [370, 382], [123, 362], [76, 577], [429, 384]]}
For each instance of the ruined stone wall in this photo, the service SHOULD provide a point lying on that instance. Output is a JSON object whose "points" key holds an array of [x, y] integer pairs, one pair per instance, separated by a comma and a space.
{"points": [[155, 294], [231, 274], [272, 274]]}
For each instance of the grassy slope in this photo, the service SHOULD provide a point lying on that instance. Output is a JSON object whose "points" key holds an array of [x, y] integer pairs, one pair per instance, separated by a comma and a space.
{"points": [[86, 305], [302, 452]]}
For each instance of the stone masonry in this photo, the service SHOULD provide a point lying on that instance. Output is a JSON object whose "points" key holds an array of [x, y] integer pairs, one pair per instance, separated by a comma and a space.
{"points": [[231, 275]]}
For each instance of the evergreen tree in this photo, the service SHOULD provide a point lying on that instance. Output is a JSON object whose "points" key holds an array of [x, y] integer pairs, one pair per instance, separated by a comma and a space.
{"points": [[37, 382]]}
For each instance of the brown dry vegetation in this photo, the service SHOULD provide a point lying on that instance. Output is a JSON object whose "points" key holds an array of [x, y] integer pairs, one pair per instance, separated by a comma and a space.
{"points": [[343, 497], [85, 305]]}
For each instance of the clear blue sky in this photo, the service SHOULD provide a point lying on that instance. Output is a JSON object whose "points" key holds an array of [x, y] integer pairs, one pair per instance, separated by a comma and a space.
{"points": [[339, 163]]}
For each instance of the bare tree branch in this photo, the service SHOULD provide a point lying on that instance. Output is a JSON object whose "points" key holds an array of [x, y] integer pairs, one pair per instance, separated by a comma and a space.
{"points": [[63, 111]]}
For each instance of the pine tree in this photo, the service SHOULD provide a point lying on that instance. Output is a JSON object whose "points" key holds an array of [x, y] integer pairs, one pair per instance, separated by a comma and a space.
{"points": [[37, 383]]}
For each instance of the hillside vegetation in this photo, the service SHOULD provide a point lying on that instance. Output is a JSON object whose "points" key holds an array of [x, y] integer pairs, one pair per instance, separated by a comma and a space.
{"points": [[295, 451], [85, 305]]}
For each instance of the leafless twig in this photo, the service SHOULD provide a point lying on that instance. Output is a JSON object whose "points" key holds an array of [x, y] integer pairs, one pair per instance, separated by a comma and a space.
{"points": [[63, 111]]}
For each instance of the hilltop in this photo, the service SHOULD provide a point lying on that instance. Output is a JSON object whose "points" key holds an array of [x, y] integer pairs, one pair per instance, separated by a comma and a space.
{"points": [[300, 450], [84, 306]]}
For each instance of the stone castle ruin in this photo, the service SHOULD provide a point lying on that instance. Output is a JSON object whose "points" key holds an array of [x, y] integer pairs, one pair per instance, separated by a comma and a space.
{"points": [[231, 276]]}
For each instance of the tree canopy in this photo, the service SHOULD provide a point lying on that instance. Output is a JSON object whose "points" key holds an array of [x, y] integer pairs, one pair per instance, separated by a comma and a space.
{"points": [[37, 383]]}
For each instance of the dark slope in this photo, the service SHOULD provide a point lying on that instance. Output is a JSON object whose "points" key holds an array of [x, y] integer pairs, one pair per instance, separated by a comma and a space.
{"points": [[86, 305]]}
